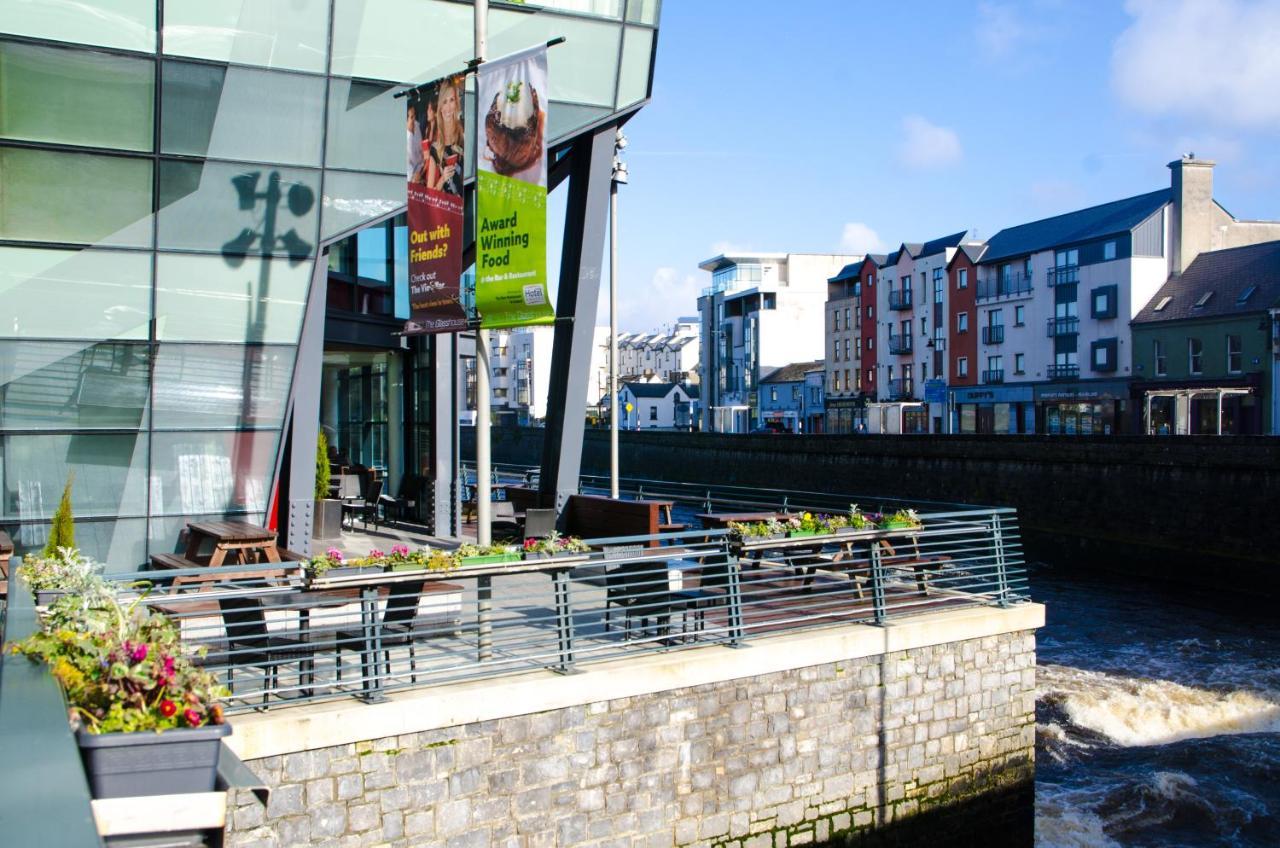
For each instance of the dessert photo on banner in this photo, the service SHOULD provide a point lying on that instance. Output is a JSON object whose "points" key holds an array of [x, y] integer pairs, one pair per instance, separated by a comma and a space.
{"points": [[513, 98]]}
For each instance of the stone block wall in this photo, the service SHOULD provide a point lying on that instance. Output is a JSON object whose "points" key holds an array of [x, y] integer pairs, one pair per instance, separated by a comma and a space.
{"points": [[827, 753]]}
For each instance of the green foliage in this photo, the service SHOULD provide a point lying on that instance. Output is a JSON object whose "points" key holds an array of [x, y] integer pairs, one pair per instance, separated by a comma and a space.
{"points": [[63, 532], [323, 472], [66, 571], [554, 543]]}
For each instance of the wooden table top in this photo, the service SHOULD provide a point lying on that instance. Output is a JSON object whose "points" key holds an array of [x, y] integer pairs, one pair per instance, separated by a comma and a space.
{"points": [[232, 531]]}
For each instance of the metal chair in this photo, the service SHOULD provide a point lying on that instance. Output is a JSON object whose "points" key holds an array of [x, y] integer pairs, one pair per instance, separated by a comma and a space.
{"points": [[398, 626], [249, 643], [539, 523], [365, 508]]}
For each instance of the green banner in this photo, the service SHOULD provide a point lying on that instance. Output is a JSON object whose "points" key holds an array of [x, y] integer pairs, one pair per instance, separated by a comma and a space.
{"points": [[511, 193]]}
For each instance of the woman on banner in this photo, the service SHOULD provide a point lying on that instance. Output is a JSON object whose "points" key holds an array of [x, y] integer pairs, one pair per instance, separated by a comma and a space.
{"points": [[444, 146], [414, 128]]}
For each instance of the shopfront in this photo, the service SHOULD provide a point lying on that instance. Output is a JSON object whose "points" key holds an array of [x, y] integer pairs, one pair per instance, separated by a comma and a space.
{"points": [[1083, 409], [846, 415], [993, 410]]}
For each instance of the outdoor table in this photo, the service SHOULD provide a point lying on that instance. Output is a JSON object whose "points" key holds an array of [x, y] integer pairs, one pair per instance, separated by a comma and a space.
{"points": [[245, 542], [305, 600]]}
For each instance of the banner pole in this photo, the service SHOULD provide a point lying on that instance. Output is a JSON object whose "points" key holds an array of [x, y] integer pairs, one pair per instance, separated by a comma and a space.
{"points": [[484, 494], [613, 333]]}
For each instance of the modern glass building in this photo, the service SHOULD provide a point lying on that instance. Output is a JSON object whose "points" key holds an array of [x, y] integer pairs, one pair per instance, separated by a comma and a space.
{"points": [[202, 248]]}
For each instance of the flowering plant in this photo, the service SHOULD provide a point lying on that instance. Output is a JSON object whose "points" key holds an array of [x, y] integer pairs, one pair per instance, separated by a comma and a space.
{"points": [[858, 520], [465, 551], [554, 543], [901, 518], [122, 667], [66, 571], [757, 529], [320, 563]]}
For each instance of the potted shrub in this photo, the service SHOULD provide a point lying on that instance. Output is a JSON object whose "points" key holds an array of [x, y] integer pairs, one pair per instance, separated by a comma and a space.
{"points": [[327, 522], [857, 520], [65, 572], [903, 519], [487, 554], [553, 544], [146, 718], [62, 530]]}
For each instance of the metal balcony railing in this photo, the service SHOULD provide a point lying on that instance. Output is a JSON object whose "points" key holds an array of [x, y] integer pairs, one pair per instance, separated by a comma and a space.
{"points": [[993, 334], [900, 299], [993, 376], [900, 389], [900, 345], [1063, 372], [1063, 327], [1064, 274], [1011, 285]]}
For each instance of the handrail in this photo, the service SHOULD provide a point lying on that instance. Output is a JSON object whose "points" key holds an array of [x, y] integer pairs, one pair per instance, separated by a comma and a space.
{"points": [[44, 796]]}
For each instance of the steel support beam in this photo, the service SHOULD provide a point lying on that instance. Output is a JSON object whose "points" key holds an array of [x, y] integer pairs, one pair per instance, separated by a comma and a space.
{"points": [[304, 413], [443, 519], [581, 266]]}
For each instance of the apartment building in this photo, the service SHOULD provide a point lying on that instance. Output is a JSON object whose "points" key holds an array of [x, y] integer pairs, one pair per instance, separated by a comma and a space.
{"points": [[761, 311], [791, 398], [845, 405]]}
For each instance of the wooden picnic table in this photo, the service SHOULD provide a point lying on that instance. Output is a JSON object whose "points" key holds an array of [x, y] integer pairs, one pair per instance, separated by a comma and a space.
{"points": [[245, 542]]}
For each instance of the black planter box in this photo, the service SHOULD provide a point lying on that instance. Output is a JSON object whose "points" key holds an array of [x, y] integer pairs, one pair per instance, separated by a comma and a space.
{"points": [[44, 597], [122, 765]]}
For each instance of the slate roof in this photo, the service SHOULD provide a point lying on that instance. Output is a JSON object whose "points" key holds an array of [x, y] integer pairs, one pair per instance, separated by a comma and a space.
{"points": [[1226, 273], [1118, 216], [793, 373], [972, 250], [918, 250], [649, 390], [693, 390]]}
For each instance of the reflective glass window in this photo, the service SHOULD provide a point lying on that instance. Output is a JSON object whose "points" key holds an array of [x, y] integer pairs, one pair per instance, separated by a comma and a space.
{"points": [[643, 11], [165, 530], [582, 69], [242, 113], [212, 472], [565, 119], [79, 198], [204, 298], [73, 386], [604, 8], [119, 544], [126, 24], [366, 127], [203, 386], [75, 97], [222, 207], [637, 52], [250, 32], [100, 294], [352, 199], [110, 474], [384, 39]]}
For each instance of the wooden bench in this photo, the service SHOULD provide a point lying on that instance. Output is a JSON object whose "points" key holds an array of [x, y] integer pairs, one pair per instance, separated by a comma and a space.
{"points": [[592, 516], [218, 573]]}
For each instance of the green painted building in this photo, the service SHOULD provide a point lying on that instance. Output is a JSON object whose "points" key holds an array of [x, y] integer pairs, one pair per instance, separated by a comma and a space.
{"points": [[1205, 347]]}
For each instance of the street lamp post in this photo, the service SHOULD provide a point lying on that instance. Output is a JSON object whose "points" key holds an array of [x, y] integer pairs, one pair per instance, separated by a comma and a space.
{"points": [[619, 177]]}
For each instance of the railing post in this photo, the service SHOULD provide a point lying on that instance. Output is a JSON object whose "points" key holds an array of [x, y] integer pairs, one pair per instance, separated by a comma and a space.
{"points": [[706, 503], [1002, 571], [370, 683], [484, 621], [734, 592], [877, 583], [564, 621]]}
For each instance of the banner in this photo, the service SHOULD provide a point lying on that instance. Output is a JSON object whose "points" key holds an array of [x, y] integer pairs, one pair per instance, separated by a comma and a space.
{"points": [[436, 141], [511, 191]]}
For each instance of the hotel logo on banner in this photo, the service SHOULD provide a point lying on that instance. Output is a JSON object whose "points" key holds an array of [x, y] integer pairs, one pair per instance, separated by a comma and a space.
{"points": [[436, 148], [511, 194]]}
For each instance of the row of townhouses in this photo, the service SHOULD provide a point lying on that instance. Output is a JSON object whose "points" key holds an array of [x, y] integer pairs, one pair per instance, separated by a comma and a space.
{"points": [[1156, 313]]}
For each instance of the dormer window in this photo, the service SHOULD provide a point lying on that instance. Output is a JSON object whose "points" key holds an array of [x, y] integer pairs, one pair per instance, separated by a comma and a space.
{"points": [[1203, 300], [1164, 301]]}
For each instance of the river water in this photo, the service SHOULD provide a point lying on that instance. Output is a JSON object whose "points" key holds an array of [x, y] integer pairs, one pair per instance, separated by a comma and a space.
{"points": [[1158, 716]]}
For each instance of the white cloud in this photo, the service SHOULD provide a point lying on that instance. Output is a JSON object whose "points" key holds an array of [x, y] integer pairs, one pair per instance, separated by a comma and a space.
{"points": [[668, 296], [1213, 60], [859, 238], [999, 28], [926, 145]]}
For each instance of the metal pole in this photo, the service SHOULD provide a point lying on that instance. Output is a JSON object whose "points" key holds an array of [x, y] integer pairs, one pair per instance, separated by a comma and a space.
{"points": [[484, 529], [613, 336]]}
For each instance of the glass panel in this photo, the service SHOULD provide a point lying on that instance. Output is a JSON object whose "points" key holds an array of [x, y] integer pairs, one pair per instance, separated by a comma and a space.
{"points": [[604, 8], [581, 70], [643, 11], [565, 119], [241, 113], [250, 32], [212, 472], [100, 294], [637, 50], [75, 197], [110, 474], [119, 544], [203, 298], [366, 127], [353, 199], [371, 253], [127, 24], [163, 537], [69, 386], [204, 386], [383, 39], [222, 207], [75, 97]]}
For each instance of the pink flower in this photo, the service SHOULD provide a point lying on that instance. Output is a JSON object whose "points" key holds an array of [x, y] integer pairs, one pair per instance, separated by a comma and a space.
{"points": [[530, 544], [167, 669], [137, 653], [334, 554], [192, 717], [400, 550], [168, 708], [374, 553]]}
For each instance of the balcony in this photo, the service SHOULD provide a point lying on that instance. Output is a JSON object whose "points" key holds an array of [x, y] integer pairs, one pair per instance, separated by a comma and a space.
{"points": [[993, 334], [1064, 274], [996, 376], [1063, 327], [1063, 372], [900, 389], [1010, 285], [900, 300], [900, 345]]}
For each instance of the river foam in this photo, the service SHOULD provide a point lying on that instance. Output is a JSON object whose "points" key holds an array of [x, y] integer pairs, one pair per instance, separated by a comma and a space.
{"points": [[1134, 712]]}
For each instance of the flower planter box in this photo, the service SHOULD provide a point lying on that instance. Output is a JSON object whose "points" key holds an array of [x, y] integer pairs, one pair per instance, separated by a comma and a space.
{"points": [[538, 555], [899, 525], [802, 534], [45, 597], [353, 569], [121, 765], [491, 559]]}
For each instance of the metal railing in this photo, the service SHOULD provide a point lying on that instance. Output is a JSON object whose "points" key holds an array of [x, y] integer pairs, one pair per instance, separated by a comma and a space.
{"points": [[1063, 274], [900, 344], [1012, 285], [900, 388], [993, 376], [993, 334], [1062, 372], [278, 639], [900, 299], [1068, 326]]}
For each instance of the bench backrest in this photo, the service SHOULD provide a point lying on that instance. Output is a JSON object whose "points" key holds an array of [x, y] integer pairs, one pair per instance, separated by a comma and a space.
{"points": [[592, 516], [523, 499]]}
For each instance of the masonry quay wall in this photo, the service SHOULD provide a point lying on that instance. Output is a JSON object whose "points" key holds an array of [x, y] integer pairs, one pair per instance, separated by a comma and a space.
{"points": [[1171, 508], [930, 734]]}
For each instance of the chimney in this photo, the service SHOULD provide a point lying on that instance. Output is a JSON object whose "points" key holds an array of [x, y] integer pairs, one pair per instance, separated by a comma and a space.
{"points": [[1192, 224]]}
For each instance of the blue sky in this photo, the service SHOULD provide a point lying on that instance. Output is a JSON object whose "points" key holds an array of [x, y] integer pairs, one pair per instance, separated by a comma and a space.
{"points": [[824, 126]]}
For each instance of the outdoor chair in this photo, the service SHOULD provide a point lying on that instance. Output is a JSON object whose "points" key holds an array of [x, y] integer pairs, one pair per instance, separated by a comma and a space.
{"points": [[399, 626], [402, 505], [641, 590], [365, 508], [539, 523], [249, 644]]}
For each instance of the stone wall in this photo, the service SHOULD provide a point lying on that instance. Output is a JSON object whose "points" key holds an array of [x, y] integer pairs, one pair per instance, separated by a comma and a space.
{"points": [[829, 752], [1168, 508]]}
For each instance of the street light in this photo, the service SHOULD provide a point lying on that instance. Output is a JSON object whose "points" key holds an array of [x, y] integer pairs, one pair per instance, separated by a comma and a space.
{"points": [[619, 177]]}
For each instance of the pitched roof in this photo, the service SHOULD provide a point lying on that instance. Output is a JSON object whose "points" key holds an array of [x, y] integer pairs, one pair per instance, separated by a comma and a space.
{"points": [[649, 390], [938, 245], [972, 251], [1073, 227], [1224, 275], [693, 390], [793, 373]]}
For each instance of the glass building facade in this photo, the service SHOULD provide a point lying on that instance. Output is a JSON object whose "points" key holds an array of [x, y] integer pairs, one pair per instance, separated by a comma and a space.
{"points": [[171, 173]]}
